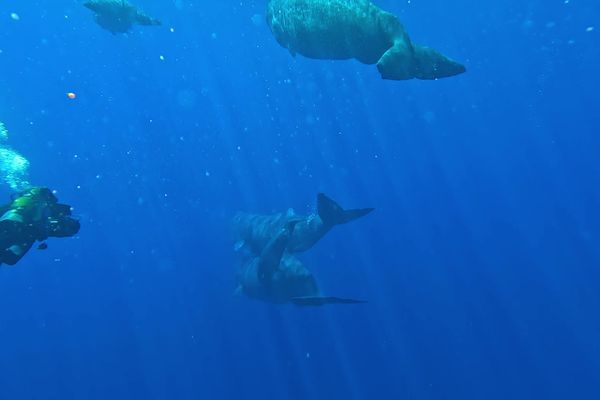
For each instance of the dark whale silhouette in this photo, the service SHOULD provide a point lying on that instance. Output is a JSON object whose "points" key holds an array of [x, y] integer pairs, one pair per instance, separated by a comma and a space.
{"points": [[276, 276], [118, 16], [346, 29], [253, 231]]}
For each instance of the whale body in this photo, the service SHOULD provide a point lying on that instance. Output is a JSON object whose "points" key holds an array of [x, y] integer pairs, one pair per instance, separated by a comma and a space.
{"points": [[118, 16], [275, 276], [254, 231], [355, 29]]}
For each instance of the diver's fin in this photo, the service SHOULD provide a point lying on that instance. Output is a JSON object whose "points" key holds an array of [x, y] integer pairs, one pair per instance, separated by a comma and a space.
{"points": [[322, 300], [333, 214]]}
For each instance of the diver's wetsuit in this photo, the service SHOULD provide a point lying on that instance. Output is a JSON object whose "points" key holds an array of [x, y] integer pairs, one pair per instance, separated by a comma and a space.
{"points": [[34, 214]]}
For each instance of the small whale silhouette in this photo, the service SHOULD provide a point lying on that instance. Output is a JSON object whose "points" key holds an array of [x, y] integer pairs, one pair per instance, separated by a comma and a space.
{"points": [[118, 16]]}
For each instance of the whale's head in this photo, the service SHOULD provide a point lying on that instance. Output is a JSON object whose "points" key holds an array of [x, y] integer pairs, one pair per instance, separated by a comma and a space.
{"points": [[431, 64], [404, 62]]}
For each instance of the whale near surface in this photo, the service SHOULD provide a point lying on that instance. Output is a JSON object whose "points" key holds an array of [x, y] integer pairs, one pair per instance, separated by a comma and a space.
{"points": [[118, 16], [355, 29]]}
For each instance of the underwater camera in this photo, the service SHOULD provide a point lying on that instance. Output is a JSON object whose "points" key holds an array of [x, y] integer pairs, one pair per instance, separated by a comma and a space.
{"points": [[60, 222]]}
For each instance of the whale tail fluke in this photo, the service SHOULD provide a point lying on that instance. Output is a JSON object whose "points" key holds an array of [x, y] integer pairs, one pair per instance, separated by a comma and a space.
{"points": [[403, 61], [333, 214], [312, 301]]}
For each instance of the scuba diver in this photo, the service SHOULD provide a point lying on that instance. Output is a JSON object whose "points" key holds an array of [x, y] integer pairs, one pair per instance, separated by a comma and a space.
{"points": [[33, 215]]}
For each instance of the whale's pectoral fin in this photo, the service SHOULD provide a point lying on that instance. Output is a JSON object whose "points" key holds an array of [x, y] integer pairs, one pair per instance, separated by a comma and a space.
{"points": [[270, 257], [431, 64], [333, 214], [143, 19], [401, 62], [322, 300]]}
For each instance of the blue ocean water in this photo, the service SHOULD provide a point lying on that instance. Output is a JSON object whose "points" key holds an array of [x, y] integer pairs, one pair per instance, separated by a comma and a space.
{"points": [[479, 264]]}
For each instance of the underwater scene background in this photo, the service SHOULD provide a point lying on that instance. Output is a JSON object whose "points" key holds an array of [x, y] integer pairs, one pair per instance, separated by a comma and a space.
{"points": [[479, 263]]}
